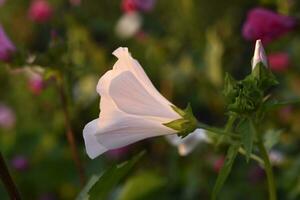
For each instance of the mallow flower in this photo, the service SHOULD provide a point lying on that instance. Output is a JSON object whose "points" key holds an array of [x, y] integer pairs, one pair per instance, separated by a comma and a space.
{"points": [[7, 48], [132, 109]]}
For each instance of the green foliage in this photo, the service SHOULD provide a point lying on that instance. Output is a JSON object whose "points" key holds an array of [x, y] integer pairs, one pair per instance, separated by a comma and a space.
{"points": [[185, 125], [225, 171], [99, 187], [141, 186]]}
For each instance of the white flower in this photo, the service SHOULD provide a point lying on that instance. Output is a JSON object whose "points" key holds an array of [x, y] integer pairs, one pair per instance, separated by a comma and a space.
{"points": [[259, 55], [128, 25], [131, 108], [188, 144]]}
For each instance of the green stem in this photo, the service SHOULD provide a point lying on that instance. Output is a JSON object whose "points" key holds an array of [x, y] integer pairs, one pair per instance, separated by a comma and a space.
{"points": [[267, 165], [217, 130]]}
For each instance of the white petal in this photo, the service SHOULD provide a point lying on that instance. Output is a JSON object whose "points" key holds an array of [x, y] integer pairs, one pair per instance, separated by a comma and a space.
{"points": [[104, 135], [93, 148], [259, 55], [127, 63], [131, 97], [189, 143]]}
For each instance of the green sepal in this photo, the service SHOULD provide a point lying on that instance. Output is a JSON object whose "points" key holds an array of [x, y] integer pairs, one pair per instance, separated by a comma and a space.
{"points": [[185, 125], [265, 77]]}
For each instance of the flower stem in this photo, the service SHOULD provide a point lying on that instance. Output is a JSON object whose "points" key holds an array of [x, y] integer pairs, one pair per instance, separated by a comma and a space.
{"points": [[69, 132], [8, 181], [267, 164]]}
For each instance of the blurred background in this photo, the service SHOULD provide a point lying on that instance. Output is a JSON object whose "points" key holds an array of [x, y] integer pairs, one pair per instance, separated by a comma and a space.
{"points": [[185, 47]]}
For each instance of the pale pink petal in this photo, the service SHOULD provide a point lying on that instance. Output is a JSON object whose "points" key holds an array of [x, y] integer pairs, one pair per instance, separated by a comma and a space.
{"points": [[131, 97], [259, 55], [189, 143]]}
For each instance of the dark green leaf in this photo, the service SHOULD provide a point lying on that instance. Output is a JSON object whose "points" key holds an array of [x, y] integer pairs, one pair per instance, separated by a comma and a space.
{"points": [[141, 186], [225, 171], [110, 178], [248, 134]]}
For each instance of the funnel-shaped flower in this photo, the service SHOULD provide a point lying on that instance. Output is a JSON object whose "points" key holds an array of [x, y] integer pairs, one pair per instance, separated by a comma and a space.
{"points": [[131, 108], [259, 55], [189, 143]]}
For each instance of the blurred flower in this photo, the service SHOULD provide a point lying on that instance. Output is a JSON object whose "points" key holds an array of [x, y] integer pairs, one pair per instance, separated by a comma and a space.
{"points": [[7, 117], [276, 157], [117, 153], [20, 163], [40, 11], [75, 2], [36, 83], [138, 5], [131, 108], [259, 55], [266, 25], [6, 46], [279, 62], [2, 2], [256, 174], [189, 143], [84, 90], [218, 163], [128, 25]]}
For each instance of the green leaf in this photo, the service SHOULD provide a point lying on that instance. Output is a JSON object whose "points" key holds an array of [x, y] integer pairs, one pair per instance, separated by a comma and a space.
{"points": [[101, 188], [83, 195], [142, 186], [275, 104], [271, 138], [247, 131], [225, 171]]}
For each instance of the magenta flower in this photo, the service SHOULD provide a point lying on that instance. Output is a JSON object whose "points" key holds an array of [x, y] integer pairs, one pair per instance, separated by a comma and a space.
{"points": [[117, 153], [6, 46], [138, 5], [279, 62], [40, 11], [36, 83], [7, 117], [20, 163], [266, 25]]}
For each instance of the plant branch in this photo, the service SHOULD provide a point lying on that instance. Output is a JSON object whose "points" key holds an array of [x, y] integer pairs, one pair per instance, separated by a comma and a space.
{"points": [[69, 131], [8, 181]]}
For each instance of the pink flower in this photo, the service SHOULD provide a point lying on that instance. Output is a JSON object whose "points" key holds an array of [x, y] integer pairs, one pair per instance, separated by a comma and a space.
{"points": [[7, 117], [279, 62], [2, 2], [6, 46], [266, 25], [137, 5], [20, 163], [36, 84], [40, 11]]}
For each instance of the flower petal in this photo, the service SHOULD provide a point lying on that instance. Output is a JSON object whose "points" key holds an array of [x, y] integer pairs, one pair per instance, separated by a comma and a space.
{"points": [[131, 97], [104, 135], [93, 148], [189, 143]]}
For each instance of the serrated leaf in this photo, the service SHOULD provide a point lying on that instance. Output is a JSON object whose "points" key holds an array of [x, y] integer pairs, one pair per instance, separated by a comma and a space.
{"points": [[101, 188], [247, 131], [265, 77], [225, 171], [141, 186]]}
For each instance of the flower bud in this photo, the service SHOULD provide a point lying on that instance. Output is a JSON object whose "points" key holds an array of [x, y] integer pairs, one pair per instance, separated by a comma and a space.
{"points": [[259, 55]]}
